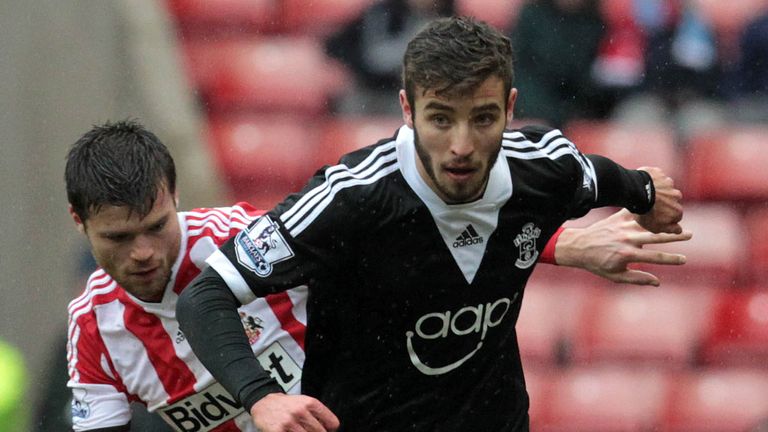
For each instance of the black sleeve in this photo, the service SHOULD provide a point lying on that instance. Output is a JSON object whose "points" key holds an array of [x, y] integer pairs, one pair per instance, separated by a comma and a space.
{"points": [[620, 187], [207, 314]]}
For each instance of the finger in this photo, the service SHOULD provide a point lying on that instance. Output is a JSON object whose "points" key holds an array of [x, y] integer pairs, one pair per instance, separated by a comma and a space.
{"points": [[650, 256], [325, 417], [310, 423], [636, 277], [645, 237]]}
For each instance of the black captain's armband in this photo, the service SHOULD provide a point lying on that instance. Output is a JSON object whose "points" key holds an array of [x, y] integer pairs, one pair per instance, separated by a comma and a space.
{"points": [[618, 186]]}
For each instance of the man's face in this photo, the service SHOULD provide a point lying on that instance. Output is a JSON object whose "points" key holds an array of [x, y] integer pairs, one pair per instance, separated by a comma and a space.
{"points": [[137, 252], [459, 137]]}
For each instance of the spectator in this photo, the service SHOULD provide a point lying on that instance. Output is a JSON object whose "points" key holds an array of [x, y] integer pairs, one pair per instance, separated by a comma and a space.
{"points": [[750, 79], [556, 44], [372, 46]]}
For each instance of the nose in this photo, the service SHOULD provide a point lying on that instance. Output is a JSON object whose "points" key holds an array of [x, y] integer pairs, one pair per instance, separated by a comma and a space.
{"points": [[462, 144], [142, 249]]}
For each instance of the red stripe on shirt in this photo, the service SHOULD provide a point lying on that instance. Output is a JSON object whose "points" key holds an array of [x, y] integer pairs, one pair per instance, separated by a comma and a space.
{"points": [[283, 308], [175, 375]]}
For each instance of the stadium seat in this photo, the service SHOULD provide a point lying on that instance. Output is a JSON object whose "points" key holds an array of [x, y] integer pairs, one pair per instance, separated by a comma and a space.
{"points": [[739, 331], [267, 155], [612, 398], [343, 134], [631, 145], [645, 325], [286, 74], [538, 382], [197, 18], [500, 14], [718, 400], [320, 17], [717, 252], [756, 224], [728, 164], [548, 318]]}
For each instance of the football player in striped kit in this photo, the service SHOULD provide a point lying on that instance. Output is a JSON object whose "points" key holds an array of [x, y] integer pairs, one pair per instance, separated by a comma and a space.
{"points": [[124, 343], [416, 251]]}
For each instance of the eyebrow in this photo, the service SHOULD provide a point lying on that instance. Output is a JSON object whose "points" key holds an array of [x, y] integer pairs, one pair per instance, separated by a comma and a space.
{"points": [[160, 221], [433, 105], [438, 106]]}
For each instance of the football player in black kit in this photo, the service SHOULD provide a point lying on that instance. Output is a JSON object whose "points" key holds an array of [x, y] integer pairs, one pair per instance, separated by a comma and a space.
{"points": [[417, 250]]}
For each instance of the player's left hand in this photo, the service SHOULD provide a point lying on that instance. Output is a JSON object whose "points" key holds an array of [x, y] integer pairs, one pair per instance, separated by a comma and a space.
{"points": [[607, 247], [667, 212]]}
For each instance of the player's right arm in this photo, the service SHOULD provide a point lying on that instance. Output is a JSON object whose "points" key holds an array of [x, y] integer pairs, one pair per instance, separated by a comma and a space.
{"points": [[207, 314], [99, 402]]}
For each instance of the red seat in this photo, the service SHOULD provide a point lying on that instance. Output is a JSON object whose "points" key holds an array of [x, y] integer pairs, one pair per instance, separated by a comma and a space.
{"points": [[630, 145], [605, 399], [728, 165], [320, 17], [739, 331], [756, 225], [538, 383], [500, 14], [341, 135], [202, 17], [548, 318], [725, 400], [287, 74], [655, 325], [264, 155], [716, 253]]}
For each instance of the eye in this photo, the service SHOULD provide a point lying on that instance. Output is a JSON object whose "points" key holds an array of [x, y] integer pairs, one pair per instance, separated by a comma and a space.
{"points": [[440, 120], [117, 238], [485, 119], [157, 227]]}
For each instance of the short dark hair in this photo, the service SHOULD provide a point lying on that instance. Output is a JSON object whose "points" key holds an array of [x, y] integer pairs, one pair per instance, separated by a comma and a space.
{"points": [[119, 164], [454, 56]]}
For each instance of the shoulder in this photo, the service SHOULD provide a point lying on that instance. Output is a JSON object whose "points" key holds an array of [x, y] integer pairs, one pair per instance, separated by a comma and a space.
{"points": [[346, 189], [539, 143], [220, 222], [99, 289]]}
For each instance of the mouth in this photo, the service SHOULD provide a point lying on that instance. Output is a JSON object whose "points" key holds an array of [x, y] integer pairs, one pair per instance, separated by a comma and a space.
{"points": [[460, 173], [146, 274]]}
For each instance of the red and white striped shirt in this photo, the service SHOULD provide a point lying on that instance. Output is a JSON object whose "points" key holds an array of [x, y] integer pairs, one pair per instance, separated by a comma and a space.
{"points": [[121, 349]]}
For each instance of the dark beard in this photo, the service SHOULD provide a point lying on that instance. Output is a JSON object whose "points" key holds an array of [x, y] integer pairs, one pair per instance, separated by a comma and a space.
{"points": [[426, 161]]}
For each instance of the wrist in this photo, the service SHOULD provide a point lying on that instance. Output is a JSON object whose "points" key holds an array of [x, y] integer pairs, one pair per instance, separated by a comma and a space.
{"points": [[566, 251], [548, 254]]}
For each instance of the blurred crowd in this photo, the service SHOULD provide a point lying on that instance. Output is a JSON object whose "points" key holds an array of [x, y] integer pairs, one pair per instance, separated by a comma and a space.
{"points": [[589, 59]]}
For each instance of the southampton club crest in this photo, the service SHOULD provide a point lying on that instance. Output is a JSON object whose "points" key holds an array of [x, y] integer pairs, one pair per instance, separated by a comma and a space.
{"points": [[526, 244]]}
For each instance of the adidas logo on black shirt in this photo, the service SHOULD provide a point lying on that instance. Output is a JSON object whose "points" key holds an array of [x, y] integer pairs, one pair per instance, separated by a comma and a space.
{"points": [[468, 237]]}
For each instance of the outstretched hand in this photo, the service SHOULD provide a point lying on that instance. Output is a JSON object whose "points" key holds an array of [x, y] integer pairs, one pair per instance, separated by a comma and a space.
{"points": [[278, 412], [607, 247], [667, 212]]}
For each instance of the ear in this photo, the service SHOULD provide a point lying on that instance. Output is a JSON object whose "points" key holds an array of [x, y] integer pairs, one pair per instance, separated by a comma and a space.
{"points": [[511, 105], [176, 198], [78, 222], [406, 108]]}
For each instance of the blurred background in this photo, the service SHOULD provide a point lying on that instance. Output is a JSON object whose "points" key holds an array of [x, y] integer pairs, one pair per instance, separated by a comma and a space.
{"points": [[252, 96]]}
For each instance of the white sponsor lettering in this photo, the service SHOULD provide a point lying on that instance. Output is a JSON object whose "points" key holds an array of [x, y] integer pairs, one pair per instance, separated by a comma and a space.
{"points": [[443, 324]]}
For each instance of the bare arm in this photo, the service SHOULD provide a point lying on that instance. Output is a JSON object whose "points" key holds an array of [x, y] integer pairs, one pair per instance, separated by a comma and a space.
{"points": [[607, 247]]}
